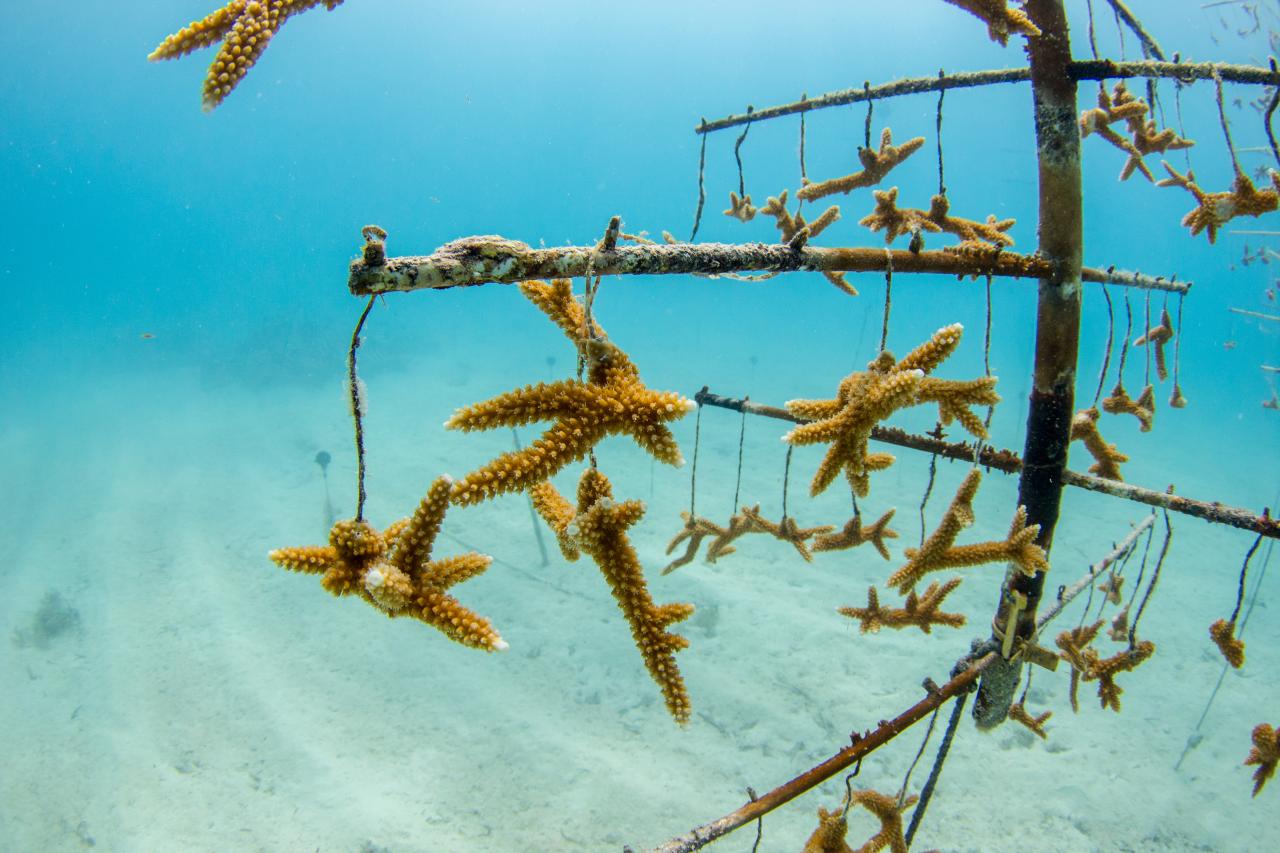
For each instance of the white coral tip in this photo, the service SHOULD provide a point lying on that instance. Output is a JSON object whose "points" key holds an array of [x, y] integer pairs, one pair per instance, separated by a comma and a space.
{"points": [[500, 645]]}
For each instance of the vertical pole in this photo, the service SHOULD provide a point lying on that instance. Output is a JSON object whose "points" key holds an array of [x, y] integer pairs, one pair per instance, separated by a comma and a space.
{"points": [[1057, 337]]}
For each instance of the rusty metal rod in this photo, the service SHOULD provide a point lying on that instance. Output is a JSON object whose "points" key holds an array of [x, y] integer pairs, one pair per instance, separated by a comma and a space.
{"points": [[1011, 463], [491, 259]]}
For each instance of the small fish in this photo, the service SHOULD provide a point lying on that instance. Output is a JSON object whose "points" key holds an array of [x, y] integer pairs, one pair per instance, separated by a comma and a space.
{"points": [[147, 336], [1229, 345]]}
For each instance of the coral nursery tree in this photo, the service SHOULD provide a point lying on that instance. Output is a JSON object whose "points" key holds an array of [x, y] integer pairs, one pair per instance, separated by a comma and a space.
{"points": [[395, 571]]}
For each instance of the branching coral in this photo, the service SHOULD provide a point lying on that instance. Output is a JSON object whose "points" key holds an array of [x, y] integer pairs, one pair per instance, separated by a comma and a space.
{"points": [[1265, 753], [1105, 670], [939, 553], [612, 400], [741, 209], [865, 398], [920, 611], [787, 530], [1223, 634], [855, 533], [694, 531], [1213, 210], [1143, 408], [1074, 645], [1001, 21], [790, 226], [1120, 106], [394, 571], [829, 837], [244, 27], [1157, 336], [888, 810], [1107, 459], [876, 165], [598, 528], [896, 221], [1019, 714]]}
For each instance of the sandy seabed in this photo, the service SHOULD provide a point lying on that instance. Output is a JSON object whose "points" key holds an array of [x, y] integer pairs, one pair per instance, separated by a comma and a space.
{"points": [[206, 700]]}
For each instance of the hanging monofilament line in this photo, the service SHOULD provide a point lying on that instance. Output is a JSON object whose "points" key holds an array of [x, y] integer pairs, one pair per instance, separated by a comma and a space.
{"points": [[751, 793], [693, 469], [702, 187], [906, 777], [786, 480], [742, 436], [737, 154], [1124, 342], [942, 94], [1147, 350], [804, 175], [888, 300], [986, 370], [1106, 357], [1226, 126], [1093, 42], [533, 512], [1244, 571], [1155, 577], [871, 105], [1182, 128], [355, 388], [928, 488]]}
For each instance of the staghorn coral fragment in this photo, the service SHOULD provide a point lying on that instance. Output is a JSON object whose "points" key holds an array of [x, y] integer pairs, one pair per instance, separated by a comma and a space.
{"points": [[1074, 645], [611, 401], [1119, 106], [739, 524], [1157, 336], [598, 529], [244, 27], [787, 530], [920, 611], [958, 515], [694, 531], [1118, 631], [1107, 459], [1001, 21], [1018, 713], [741, 209], [1213, 210], [1223, 634], [791, 227], [1111, 587], [1265, 753], [394, 570], [897, 222], [829, 837], [1143, 408], [855, 533], [876, 165], [865, 398], [1019, 548], [888, 810], [1105, 670]]}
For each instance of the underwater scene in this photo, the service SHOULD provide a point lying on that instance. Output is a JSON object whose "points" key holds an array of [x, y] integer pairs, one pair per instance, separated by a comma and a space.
{"points": [[501, 426]]}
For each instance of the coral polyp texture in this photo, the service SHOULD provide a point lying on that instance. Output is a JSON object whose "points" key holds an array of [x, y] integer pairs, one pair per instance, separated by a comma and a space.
{"points": [[1035, 724], [1107, 459], [1213, 210], [610, 401], [1001, 21], [919, 611], [1223, 634], [244, 27], [1265, 754], [598, 527], [876, 165], [855, 533], [1156, 337], [900, 221], [1144, 408], [394, 571], [864, 398]]}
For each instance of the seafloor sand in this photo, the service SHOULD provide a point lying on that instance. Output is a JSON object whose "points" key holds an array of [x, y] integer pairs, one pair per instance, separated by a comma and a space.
{"points": [[210, 701]]}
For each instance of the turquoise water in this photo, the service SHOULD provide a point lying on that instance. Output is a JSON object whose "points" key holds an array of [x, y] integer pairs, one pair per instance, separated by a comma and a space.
{"points": [[176, 319]]}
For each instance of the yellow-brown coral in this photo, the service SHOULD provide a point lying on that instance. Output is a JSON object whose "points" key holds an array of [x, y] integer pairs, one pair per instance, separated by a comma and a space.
{"points": [[855, 533], [829, 837], [787, 530], [1265, 753], [394, 571], [789, 226], [1018, 713], [1105, 670], [599, 529], [1107, 459], [1157, 336], [611, 401], [1223, 634], [694, 531], [1001, 21], [897, 222], [875, 166], [1074, 645], [863, 399], [887, 810], [1143, 408], [741, 209], [244, 27], [1120, 106], [938, 553], [920, 611], [1213, 210]]}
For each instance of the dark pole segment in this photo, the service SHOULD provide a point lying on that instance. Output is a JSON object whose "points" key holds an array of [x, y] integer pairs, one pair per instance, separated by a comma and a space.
{"points": [[1052, 403]]}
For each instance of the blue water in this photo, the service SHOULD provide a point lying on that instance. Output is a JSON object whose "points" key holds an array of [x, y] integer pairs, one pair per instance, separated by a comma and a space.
{"points": [[176, 320]]}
